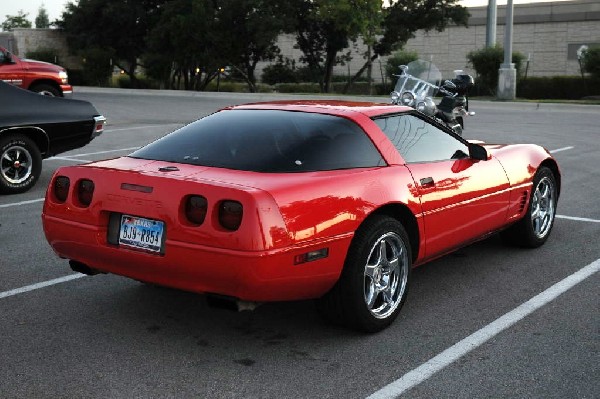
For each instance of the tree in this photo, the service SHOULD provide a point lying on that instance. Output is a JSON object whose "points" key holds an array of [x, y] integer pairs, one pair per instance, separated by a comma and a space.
{"points": [[248, 31], [403, 19], [326, 27], [118, 28], [42, 21], [184, 45], [16, 21]]}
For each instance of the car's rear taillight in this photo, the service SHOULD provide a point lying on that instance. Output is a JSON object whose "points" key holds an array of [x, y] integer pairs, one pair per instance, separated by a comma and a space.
{"points": [[85, 192], [230, 214], [196, 207], [60, 188]]}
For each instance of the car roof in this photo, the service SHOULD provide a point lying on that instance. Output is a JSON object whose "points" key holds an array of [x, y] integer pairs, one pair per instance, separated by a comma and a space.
{"points": [[333, 107]]}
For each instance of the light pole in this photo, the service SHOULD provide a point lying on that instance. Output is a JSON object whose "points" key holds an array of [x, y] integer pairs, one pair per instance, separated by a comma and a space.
{"points": [[507, 74], [490, 31]]}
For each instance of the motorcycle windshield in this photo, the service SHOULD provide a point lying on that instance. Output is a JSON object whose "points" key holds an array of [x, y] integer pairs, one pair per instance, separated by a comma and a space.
{"points": [[419, 76]]}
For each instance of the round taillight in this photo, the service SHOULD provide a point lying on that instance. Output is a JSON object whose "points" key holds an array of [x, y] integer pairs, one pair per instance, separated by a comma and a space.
{"points": [[61, 188], [85, 192], [196, 207], [230, 214]]}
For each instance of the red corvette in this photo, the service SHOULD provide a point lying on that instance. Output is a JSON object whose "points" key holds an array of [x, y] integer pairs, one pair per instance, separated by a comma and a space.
{"points": [[296, 200]]}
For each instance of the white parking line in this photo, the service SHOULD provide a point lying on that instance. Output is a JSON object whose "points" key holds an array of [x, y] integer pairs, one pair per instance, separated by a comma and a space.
{"points": [[139, 127], [478, 338], [67, 159], [98, 152], [561, 149], [21, 203], [43, 284], [577, 219]]}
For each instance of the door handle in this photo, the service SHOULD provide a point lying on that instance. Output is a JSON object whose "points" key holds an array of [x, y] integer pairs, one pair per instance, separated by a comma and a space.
{"points": [[427, 182]]}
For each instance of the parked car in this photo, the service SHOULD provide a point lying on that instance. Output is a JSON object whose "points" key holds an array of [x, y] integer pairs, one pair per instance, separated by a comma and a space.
{"points": [[34, 127], [37, 76], [297, 200]]}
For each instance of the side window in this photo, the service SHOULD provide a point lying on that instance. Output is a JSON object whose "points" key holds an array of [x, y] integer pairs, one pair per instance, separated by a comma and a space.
{"points": [[419, 141]]}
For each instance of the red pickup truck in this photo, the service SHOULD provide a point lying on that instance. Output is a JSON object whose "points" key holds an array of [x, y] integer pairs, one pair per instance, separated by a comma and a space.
{"points": [[37, 76]]}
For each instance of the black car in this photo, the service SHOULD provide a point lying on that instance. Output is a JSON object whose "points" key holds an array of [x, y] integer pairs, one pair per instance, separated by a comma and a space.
{"points": [[35, 127]]}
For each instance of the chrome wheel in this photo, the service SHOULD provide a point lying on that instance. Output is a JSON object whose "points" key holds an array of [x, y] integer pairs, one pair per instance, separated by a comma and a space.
{"points": [[385, 275], [16, 164], [542, 207]]}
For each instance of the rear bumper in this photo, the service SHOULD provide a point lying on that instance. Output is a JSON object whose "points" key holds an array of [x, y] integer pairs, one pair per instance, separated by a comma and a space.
{"points": [[251, 276]]}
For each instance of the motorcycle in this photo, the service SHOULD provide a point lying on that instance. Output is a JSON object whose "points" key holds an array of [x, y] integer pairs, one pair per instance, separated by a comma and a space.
{"points": [[421, 80]]}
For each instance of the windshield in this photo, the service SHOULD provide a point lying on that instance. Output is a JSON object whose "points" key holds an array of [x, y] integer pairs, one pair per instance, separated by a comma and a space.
{"points": [[267, 141], [420, 77]]}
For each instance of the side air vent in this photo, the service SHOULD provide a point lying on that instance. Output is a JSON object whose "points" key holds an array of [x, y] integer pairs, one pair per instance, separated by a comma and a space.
{"points": [[523, 202]]}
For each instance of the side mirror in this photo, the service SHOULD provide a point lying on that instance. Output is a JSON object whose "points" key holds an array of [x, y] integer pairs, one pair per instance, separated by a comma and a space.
{"points": [[449, 84], [477, 152], [5, 58]]}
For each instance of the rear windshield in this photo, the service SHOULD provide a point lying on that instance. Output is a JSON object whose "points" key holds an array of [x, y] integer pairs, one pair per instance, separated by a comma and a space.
{"points": [[267, 141]]}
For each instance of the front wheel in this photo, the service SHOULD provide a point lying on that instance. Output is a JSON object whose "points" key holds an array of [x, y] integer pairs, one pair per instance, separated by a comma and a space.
{"points": [[46, 90], [374, 283], [533, 230], [20, 164]]}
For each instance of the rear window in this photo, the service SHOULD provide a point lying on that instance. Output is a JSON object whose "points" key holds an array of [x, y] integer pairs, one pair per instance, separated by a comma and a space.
{"points": [[267, 141]]}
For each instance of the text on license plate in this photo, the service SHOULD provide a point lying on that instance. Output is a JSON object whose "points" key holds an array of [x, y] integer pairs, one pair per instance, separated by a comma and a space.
{"points": [[141, 233]]}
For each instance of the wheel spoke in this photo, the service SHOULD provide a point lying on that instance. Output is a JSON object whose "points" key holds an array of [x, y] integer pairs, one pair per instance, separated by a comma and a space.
{"points": [[7, 157], [370, 271], [372, 294]]}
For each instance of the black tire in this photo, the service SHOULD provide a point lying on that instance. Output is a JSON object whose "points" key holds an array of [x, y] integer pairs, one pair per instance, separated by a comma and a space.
{"points": [[534, 229], [358, 300], [46, 90], [20, 163]]}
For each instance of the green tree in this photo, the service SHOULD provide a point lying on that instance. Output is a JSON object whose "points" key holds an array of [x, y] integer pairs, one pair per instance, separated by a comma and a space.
{"points": [[403, 19], [16, 21], [184, 45], [117, 28], [324, 28], [248, 31], [42, 21]]}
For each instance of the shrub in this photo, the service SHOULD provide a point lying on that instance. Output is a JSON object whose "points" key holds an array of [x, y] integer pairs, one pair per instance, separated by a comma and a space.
{"points": [[280, 72], [486, 63], [401, 57], [44, 54], [557, 87], [143, 82], [591, 62]]}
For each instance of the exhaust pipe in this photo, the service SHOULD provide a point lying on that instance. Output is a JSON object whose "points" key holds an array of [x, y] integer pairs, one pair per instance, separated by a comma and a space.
{"points": [[83, 269], [230, 303]]}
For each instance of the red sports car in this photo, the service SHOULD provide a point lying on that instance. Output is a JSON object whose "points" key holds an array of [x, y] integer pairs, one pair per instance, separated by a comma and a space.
{"points": [[296, 200]]}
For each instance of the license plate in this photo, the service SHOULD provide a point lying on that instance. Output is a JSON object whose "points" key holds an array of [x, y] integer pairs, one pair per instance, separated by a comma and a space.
{"points": [[141, 233]]}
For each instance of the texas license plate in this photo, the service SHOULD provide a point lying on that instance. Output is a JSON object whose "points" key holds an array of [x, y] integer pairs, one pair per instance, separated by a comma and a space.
{"points": [[141, 233]]}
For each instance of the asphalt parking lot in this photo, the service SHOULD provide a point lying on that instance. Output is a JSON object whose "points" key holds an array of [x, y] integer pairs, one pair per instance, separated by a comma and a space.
{"points": [[487, 321]]}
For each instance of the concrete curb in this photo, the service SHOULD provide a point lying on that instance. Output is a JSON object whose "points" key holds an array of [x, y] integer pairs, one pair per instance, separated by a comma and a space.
{"points": [[257, 97]]}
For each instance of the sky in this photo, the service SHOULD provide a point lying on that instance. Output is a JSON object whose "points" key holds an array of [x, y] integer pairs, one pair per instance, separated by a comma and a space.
{"points": [[56, 7]]}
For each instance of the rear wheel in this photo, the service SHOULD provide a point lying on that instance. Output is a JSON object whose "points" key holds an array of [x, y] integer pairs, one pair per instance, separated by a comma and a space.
{"points": [[20, 164], [533, 230], [46, 90], [374, 283]]}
